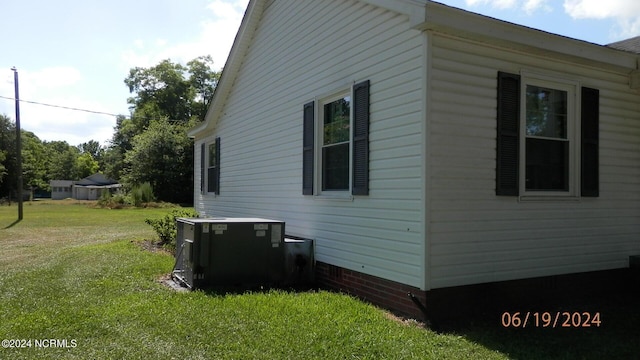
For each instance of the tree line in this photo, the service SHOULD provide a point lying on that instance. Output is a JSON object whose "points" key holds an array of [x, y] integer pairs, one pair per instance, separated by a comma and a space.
{"points": [[150, 145]]}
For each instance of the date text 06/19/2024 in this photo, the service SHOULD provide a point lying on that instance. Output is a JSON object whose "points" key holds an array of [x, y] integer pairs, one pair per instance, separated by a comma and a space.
{"points": [[547, 319]]}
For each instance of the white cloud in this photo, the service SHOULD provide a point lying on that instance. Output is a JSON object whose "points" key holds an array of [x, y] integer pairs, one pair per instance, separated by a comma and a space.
{"points": [[531, 6], [628, 28], [7, 90], [500, 4], [47, 86], [50, 78], [215, 38], [625, 12], [528, 6], [225, 9], [31, 83], [597, 9], [73, 126], [6, 82]]}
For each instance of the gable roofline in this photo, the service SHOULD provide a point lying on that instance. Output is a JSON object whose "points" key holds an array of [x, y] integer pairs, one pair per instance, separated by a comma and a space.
{"points": [[241, 43], [95, 179], [426, 15], [244, 37]]}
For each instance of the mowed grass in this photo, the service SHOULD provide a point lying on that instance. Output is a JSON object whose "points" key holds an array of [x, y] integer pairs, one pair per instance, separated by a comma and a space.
{"points": [[77, 275]]}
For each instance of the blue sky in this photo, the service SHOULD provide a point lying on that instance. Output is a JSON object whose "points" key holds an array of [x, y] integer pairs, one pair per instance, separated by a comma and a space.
{"points": [[77, 53]]}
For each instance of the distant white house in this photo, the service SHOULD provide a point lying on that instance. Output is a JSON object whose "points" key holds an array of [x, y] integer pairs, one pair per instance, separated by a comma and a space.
{"points": [[89, 188], [424, 147], [60, 189]]}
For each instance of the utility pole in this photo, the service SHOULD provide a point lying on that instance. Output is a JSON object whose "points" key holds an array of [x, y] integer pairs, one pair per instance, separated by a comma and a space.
{"points": [[18, 143]]}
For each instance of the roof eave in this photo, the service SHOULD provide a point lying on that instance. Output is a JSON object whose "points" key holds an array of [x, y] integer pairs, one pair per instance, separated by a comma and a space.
{"points": [[427, 15], [446, 19]]}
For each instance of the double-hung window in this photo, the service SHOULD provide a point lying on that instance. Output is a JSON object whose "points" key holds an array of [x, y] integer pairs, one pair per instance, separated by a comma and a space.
{"points": [[336, 146], [210, 167], [549, 130], [547, 137]]}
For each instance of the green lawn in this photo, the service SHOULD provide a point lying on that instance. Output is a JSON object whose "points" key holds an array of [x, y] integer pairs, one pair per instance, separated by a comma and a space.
{"points": [[77, 275]]}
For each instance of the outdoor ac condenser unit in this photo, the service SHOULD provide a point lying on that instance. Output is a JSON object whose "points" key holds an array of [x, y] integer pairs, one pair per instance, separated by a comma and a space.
{"points": [[299, 262], [229, 252]]}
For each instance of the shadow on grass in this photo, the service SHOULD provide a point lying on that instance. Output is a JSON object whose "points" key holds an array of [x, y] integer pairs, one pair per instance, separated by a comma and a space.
{"points": [[12, 224], [596, 319], [238, 289], [600, 322]]}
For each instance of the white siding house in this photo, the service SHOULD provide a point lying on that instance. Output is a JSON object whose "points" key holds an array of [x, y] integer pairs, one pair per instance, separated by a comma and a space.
{"points": [[60, 189], [89, 188], [373, 127]]}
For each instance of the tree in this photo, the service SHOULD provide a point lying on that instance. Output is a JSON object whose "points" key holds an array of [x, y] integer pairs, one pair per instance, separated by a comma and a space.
{"points": [[68, 162], [162, 88], [34, 157], [113, 161], [3, 169], [62, 160], [152, 145], [9, 163], [85, 166], [94, 149], [120, 143], [204, 82], [34, 162], [162, 156], [171, 90]]}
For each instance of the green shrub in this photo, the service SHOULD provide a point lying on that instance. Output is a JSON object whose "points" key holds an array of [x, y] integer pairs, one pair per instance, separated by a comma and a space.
{"points": [[166, 226], [138, 196], [118, 200], [105, 196], [141, 194]]}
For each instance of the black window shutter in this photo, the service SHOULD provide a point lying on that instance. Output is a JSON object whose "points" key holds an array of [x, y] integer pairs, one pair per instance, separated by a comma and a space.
{"points": [[507, 179], [217, 171], [202, 167], [307, 148], [590, 110], [361, 139]]}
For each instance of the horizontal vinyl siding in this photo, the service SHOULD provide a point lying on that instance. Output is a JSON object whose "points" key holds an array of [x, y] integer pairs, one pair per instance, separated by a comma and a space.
{"points": [[304, 50], [476, 236]]}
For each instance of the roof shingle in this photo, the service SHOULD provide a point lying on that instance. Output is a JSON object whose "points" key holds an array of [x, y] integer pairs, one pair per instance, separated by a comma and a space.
{"points": [[630, 45]]}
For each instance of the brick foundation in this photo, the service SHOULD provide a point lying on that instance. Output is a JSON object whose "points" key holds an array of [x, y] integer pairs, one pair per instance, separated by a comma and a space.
{"points": [[571, 292], [381, 292], [446, 305]]}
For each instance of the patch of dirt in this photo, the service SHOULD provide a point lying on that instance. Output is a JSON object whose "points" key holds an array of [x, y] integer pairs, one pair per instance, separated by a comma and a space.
{"points": [[165, 279], [168, 281]]}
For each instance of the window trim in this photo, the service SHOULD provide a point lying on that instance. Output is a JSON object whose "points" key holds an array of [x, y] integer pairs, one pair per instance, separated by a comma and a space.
{"points": [[216, 168], [203, 189], [358, 140], [508, 137], [573, 134], [319, 140]]}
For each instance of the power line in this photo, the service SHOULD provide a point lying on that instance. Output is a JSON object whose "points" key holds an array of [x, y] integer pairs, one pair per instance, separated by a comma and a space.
{"points": [[63, 107], [86, 110]]}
